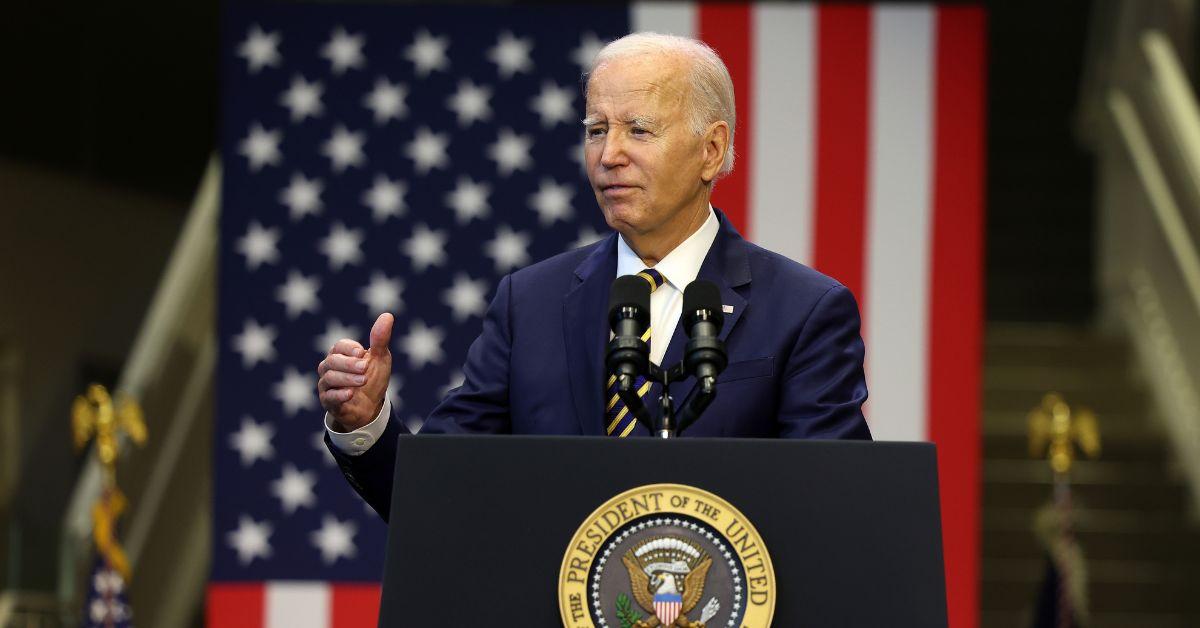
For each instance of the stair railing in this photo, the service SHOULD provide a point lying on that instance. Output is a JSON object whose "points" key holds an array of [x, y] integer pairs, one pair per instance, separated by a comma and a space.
{"points": [[1139, 113]]}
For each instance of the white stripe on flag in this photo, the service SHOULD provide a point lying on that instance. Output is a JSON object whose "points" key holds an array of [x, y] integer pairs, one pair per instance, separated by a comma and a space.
{"points": [[672, 18], [781, 188], [899, 216], [298, 605]]}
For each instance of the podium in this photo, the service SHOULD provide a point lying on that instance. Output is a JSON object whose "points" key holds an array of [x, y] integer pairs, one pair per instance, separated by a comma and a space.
{"points": [[494, 530]]}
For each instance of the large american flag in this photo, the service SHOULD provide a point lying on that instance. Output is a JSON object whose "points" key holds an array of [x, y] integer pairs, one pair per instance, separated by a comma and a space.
{"points": [[396, 158]]}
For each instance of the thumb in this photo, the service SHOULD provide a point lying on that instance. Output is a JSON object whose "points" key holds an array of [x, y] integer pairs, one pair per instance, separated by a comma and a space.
{"points": [[381, 335]]}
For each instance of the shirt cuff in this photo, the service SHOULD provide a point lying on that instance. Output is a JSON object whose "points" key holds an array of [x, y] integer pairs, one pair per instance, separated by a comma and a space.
{"points": [[360, 440]]}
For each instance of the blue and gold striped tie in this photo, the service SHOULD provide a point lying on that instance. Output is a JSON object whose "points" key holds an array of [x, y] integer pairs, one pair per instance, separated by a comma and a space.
{"points": [[620, 420]]}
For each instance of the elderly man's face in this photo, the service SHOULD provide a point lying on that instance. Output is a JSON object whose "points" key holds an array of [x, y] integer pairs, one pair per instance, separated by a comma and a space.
{"points": [[643, 160]]}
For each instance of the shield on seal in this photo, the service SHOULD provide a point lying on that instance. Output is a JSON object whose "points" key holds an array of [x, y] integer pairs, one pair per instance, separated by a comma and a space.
{"points": [[666, 607]]}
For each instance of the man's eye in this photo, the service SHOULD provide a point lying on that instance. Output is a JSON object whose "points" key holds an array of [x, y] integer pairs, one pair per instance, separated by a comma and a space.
{"points": [[639, 131], [595, 132]]}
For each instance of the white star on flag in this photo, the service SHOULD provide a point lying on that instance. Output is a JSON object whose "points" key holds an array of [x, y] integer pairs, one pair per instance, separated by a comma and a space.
{"points": [[302, 196], [552, 201], [259, 245], [335, 539], [422, 344], [255, 343], [587, 235], [509, 249], [456, 379], [470, 102], [318, 443], [575, 153], [250, 540], [342, 246], [428, 150], [554, 104], [296, 391], [469, 199], [387, 101], [585, 54], [466, 297], [511, 55], [426, 247], [382, 294], [428, 53], [260, 49], [303, 99], [334, 331], [395, 387], [344, 148], [511, 152], [385, 198], [261, 147], [344, 51], [298, 293], [252, 441], [295, 488]]}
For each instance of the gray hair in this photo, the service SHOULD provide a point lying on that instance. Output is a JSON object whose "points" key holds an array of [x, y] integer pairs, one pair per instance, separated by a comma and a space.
{"points": [[711, 97]]}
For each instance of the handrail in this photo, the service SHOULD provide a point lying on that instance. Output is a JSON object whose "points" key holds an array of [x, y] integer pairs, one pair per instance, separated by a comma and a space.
{"points": [[1176, 100], [193, 256], [1166, 209]]}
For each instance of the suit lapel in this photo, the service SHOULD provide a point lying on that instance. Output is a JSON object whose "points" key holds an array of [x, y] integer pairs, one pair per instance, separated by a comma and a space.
{"points": [[727, 265], [586, 331]]}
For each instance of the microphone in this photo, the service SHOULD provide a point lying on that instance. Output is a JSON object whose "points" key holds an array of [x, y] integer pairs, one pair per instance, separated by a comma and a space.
{"points": [[629, 317], [705, 355]]}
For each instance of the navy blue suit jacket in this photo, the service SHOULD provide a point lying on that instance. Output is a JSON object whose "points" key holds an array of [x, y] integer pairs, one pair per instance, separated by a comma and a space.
{"points": [[795, 357]]}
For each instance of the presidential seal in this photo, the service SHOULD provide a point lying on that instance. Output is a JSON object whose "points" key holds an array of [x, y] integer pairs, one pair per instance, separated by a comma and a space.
{"points": [[666, 555]]}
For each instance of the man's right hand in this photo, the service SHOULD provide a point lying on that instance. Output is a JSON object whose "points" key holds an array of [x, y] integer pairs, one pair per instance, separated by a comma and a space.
{"points": [[352, 381]]}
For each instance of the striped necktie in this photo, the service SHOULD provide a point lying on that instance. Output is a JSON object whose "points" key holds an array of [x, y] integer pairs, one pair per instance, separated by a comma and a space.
{"points": [[620, 420]]}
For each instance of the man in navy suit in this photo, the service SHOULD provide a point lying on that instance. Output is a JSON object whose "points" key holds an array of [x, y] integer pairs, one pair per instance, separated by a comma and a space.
{"points": [[658, 133]]}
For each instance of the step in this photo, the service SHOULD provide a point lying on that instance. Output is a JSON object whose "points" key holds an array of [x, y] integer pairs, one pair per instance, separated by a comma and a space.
{"points": [[1104, 496], [1023, 618], [1113, 585], [1104, 402]]}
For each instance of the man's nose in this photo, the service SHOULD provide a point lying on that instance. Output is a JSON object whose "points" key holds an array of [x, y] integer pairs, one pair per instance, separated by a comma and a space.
{"points": [[613, 153]]}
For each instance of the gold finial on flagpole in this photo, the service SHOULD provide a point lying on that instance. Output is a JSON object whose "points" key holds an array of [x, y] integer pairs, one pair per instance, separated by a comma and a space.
{"points": [[96, 416], [1054, 430]]}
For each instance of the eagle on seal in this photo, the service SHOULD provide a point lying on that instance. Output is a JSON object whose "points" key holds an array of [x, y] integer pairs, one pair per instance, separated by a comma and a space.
{"points": [[667, 576]]}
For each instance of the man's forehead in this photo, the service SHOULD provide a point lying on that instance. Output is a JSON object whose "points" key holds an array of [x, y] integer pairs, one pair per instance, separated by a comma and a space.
{"points": [[636, 80]]}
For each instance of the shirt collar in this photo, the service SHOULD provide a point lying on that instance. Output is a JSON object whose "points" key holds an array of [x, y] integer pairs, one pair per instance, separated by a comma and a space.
{"points": [[682, 264]]}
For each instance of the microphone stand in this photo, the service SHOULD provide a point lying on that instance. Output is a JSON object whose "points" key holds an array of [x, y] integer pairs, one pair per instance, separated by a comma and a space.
{"points": [[664, 425], [702, 395]]}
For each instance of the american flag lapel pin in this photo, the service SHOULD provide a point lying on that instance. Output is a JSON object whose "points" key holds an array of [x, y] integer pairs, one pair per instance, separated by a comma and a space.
{"points": [[728, 309]]}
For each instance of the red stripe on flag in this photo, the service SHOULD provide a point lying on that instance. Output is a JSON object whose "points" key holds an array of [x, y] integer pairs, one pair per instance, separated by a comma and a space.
{"points": [[956, 308], [355, 606], [842, 144], [235, 605], [728, 28]]}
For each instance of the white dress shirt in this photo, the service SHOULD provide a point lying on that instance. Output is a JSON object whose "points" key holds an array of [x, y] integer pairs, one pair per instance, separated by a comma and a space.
{"points": [[679, 268]]}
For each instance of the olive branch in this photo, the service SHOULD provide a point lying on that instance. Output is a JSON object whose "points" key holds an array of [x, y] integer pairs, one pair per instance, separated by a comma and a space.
{"points": [[625, 612]]}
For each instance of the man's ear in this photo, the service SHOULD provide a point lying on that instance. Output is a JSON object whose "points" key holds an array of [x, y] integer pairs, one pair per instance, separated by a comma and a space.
{"points": [[716, 143]]}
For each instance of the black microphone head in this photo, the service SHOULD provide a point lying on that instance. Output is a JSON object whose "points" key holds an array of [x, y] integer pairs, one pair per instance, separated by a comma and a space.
{"points": [[633, 292], [702, 299]]}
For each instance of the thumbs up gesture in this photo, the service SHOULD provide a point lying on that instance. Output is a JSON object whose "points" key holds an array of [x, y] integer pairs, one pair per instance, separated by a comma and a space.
{"points": [[352, 381]]}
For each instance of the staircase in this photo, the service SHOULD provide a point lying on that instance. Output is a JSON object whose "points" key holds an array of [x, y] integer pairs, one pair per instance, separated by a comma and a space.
{"points": [[1131, 518]]}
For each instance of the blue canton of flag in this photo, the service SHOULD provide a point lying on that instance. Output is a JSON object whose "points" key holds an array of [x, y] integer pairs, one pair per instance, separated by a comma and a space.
{"points": [[106, 604], [375, 158]]}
